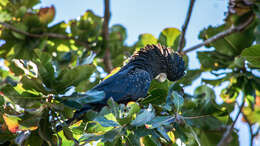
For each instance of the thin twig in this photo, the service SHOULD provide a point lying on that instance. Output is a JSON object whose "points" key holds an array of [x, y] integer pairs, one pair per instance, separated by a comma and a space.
{"points": [[221, 35], [227, 135], [184, 27], [250, 130], [105, 33], [49, 35], [257, 132]]}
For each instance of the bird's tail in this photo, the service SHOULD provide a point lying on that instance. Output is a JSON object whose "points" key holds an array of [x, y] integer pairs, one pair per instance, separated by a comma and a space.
{"points": [[92, 99]]}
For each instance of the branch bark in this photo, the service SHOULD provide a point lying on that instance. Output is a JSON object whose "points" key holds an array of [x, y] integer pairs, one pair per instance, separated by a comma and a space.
{"points": [[225, 140], [185, 25], [221, 35], [105, 34], [50, 35]]}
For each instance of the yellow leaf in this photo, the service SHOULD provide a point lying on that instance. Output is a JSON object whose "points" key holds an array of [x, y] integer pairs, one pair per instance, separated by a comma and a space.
{"points": [[11, 122], [46, 15], [172, 137]]}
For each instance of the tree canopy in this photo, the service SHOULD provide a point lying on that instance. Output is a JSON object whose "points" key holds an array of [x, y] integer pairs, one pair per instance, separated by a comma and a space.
{"points": [[44, 65]]}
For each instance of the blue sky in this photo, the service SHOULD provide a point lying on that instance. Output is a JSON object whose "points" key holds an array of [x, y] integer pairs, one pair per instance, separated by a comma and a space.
{"points": [[152, 16]]}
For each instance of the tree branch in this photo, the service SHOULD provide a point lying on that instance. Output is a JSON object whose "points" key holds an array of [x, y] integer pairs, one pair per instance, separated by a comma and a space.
{"points": [[227, 135], [49, 35], [105, 33], [184, 27], [221, 35]]}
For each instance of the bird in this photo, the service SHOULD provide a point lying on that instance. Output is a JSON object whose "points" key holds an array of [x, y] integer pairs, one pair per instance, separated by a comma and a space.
{"points": [[133, 80]]}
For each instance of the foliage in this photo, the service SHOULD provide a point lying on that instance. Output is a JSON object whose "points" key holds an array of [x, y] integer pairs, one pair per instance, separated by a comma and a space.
{"points": [[47, 62]]}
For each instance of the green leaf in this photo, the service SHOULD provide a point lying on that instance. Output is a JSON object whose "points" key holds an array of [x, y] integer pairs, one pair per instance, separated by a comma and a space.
{"points": [[205, 91], [90, 137], [114, 107], [25, 100], [6, 137], [206, 100], [45, 131], [212, 60], [4, 16], [145, 39], [21, 27], [34, 139], [252, 54], [112, 134], [33, 84], [133, 140], [67, 133], [144, 117], [230, 45], [158, 96], [148, 141], [108, 136], [155, 84], [45, 68], [213, 138], [117, 33], [88, 21], [4, 2], [170, 37], [15, 69], [189, 77], [62, 140], [178, 100], [170, 98], [229, 94], [105, 122], [160, 121], [30, 3], [69, 77], [216, 82], [252, 115], [2, 101], [134, 108]]}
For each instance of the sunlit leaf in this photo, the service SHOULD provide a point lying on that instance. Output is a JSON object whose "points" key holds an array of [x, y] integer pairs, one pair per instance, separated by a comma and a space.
{"points": [[145, 39], [67, 133], [4, 16], [11, 122], [252, 115], [170, 37]]}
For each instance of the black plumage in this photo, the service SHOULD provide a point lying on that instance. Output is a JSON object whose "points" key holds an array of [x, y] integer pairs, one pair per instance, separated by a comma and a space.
{"points": [[133, 80]]}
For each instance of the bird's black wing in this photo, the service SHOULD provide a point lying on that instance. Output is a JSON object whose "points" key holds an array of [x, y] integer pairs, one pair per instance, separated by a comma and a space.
{"points": [[128, 84]]}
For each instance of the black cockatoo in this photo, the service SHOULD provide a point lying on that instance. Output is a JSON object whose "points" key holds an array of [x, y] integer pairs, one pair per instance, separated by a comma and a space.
{"points": [[133, 80]]}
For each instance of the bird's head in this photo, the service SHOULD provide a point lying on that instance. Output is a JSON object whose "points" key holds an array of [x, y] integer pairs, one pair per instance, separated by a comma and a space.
{"points": [[162, 60], [175, 66]]}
